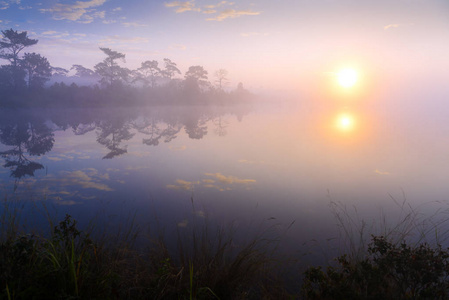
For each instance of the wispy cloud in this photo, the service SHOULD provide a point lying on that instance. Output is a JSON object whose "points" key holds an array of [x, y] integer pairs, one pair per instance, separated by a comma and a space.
{"points": [[117, 9], [6, 4], [114, 39], [57, 35], [248, 34], [134, 24], [180, 148], [86, 179], [232, 13], [212, 6], [250, 162], [381, 172], [81, 11], [390, 26], [50, 32], [178, 47], [99, 14], [230, 179], [210, 9], [215, 181], [182, 6], [182, 185]]}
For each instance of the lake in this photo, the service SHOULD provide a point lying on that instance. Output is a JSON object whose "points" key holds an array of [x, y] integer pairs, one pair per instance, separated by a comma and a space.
{"points": [[251, 165]]}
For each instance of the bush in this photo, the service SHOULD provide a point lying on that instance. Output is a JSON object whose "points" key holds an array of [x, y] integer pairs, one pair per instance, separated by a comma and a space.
{"points": [[389, 271]]}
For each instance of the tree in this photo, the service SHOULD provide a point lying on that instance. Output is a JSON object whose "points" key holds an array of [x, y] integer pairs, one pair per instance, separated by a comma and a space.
{"points": [[38, 69], [11, 44], [148, 72], [170, 69], [109, 69], [195, 77], [56, 71], [221, 78], [81, 71], [7, 76]]}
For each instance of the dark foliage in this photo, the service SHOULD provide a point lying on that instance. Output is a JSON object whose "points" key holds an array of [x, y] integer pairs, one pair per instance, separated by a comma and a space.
{"points": [[389, 272]]}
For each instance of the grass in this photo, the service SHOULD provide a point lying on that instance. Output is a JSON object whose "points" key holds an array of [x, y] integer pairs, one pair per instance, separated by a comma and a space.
{"points": [[391, 260], [409, 224], [69, 263], [403, 259]]}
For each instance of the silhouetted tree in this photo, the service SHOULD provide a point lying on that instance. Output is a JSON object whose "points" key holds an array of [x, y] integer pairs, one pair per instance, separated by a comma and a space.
{"points": [[81, 71], [169, 69], [109, 69], [9, 77], [221, 76], [195, 78], [197, 73], [148, 72], [11, 44], [56, 71], [241, 92], [38, 69]]}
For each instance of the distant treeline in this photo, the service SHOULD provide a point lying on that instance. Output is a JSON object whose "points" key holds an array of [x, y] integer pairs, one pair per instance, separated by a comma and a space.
{"points": [[25, 80]]}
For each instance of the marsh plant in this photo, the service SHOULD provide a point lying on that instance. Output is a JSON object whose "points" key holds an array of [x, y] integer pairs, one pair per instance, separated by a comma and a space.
{"points": [[403, 259], [70, 263], [388, 271]]}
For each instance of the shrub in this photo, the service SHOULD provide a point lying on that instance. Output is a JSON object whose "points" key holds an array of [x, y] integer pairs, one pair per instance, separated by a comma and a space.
{"points": [[389, 271]]}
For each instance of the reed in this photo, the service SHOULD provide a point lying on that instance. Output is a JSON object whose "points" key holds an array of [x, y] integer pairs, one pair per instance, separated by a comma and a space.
{"points": [[209, 262]]}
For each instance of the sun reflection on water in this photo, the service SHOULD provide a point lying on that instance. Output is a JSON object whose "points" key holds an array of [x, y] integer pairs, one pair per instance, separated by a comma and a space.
{"points": [[345, 122]]}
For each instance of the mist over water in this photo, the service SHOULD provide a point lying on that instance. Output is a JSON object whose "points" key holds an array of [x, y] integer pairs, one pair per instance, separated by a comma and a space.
{"points": [[242, 163]]}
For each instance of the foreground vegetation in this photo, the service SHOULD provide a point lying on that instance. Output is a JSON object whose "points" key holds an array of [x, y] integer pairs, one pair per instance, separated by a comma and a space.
{"points": [[69, 263]]}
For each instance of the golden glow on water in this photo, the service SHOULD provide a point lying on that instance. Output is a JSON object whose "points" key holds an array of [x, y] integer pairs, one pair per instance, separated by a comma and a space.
{"points": [[347, 78], [345, 122]]}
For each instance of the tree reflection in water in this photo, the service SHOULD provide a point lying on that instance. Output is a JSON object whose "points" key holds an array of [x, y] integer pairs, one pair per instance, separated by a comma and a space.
{"points": [[27, 136], [111, 133]]}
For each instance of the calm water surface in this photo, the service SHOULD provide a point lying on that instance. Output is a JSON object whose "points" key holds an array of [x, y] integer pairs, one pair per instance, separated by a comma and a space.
{"points": [[240, 163]]}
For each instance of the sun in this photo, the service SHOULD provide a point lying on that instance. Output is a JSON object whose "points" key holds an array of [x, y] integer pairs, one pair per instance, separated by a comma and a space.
{"points": [[347, 77]]}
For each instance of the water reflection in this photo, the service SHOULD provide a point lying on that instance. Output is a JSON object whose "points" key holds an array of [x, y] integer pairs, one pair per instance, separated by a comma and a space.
{"points": [[345, 122], [111, 133], [32, 133], [216, 181], [157, 131], [220, 126], [24, 136]]}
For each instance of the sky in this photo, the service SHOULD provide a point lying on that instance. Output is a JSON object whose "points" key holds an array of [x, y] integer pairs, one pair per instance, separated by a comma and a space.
{"points": [[265, 44]]}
